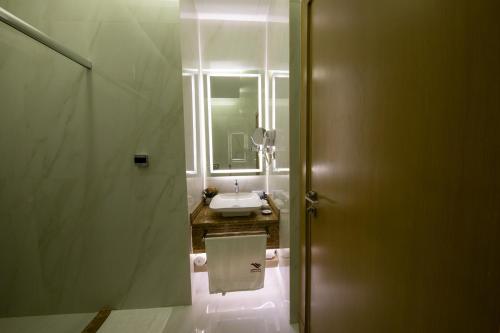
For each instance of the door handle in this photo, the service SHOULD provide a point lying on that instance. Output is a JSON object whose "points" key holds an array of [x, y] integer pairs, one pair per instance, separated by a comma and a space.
{"points": [[312, 199]]}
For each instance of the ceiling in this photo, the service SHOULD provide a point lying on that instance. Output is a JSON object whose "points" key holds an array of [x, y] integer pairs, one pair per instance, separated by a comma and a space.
{"points": [[257, 8], [236, 10]]}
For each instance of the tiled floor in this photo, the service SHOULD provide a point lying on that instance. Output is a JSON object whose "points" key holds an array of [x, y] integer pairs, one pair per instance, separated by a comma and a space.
{"points": [[260, 311], [65, 323], [135, 321]]}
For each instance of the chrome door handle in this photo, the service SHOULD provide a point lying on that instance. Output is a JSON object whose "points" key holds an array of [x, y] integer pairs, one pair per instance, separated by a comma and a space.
{"points": [[312, 199]]}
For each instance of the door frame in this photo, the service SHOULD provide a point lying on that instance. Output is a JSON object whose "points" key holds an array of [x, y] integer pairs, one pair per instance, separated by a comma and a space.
{"points": [[305, 246]]}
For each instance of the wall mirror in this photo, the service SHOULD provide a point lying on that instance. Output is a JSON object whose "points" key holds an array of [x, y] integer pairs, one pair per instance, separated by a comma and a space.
{"points": [[280, 121], [234, 111], [190, 123]]}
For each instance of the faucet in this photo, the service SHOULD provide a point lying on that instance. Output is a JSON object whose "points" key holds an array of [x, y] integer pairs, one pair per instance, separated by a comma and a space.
{"points": [[236, 186]]}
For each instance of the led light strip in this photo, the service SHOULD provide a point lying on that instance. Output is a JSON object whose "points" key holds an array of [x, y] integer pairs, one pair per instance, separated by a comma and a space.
{"points": [[274, 75], [237, 73], [193, 110]]}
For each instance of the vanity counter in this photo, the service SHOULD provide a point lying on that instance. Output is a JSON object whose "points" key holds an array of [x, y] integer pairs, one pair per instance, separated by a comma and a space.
{"points": [[204, 220]]}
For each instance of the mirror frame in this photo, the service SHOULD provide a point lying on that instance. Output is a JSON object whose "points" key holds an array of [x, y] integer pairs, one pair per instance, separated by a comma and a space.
{"points": [[209, 75], [274, 75], [192, 74]]}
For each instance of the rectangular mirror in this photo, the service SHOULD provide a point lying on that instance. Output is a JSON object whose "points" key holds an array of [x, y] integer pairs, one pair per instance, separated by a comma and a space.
{"points": [[280, 121], [234, 111], [189, 100]]}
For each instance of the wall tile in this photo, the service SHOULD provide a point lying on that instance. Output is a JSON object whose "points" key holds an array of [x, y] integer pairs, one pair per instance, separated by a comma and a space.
{"points": [[81, 226]]}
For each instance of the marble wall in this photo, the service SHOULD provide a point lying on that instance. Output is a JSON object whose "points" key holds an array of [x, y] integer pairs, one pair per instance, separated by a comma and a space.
{"points": [[233, 45], [189, 35], [190, 65], [245, 183], [278, 36], [278, 64], [80, 226], [219, 45]]}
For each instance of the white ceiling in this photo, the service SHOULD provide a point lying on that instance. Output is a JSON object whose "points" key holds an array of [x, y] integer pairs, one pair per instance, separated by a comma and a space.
{"points": [[228, 8], [236, 10]]}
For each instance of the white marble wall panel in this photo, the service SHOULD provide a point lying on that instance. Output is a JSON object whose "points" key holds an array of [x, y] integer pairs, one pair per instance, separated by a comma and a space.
{"points": [[233, 45], [278, 60], [189, 43], [190, 62], [278, 46], [189, 35], [80, 226], [194, 192], [278, 41]]}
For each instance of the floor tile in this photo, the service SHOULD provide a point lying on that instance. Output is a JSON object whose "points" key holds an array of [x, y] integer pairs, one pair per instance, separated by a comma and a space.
{"points": [[133, 321], [64, 323], [261, 311]]}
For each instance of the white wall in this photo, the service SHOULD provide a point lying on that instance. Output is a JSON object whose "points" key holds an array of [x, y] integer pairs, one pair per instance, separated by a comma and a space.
{"points": [[190, 63], [80, 226], [223, 45], [233, 45], [278, 61], [246, 183], [230, 45]]}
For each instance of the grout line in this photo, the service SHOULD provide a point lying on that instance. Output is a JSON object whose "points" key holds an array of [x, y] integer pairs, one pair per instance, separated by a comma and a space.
{"points": [[97, 321]]}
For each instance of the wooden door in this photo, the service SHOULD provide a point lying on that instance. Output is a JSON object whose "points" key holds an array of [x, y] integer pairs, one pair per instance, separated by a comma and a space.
{"points": [[404, 153]]}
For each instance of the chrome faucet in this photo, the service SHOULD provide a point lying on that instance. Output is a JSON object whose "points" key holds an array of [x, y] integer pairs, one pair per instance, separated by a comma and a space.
{"points": [[236, 186]]}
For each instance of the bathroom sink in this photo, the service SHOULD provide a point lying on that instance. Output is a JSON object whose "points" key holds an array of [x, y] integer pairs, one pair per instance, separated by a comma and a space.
{"points": [[236, 204]]}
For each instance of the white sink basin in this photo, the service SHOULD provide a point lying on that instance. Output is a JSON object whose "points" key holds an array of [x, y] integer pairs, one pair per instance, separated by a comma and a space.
{"points": [[236, 204]]}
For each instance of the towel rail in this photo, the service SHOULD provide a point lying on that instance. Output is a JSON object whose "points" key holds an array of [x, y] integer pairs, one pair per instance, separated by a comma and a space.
{"points": [[41, 37], [236, 233]]}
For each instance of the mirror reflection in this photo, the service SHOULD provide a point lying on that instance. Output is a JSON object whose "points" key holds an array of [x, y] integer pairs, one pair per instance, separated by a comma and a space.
{"points": [[258, 137], [234, 112]]}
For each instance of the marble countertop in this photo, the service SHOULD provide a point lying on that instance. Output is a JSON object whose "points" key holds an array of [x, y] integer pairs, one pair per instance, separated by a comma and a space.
{"points": [[206, 217]]}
